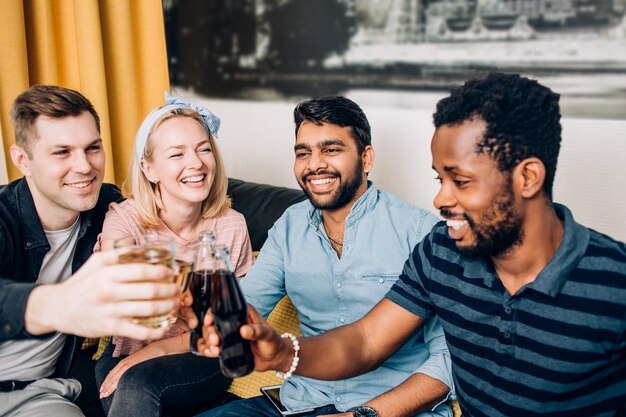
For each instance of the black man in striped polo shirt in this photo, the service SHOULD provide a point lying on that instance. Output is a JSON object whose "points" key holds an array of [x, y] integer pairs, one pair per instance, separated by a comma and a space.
{"points": [[533, 304]]}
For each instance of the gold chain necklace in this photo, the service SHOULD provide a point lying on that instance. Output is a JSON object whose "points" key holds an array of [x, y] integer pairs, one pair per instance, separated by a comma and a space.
{"points": [[334, 241], [340, 244]]}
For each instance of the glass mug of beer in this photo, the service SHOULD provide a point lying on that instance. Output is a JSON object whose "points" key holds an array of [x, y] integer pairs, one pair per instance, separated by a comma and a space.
{"points": [[151, 249], [184, 260]]}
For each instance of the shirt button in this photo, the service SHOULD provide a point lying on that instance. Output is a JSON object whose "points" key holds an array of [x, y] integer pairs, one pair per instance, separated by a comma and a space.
{"points": [[7, 328], [29, 244], [507, 335], [338, 399], [339, 285], [508, 310], [381, 280], [342, 320]]}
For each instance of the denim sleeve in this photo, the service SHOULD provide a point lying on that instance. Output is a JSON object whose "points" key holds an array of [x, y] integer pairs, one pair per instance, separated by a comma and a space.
{"points": [[13, 299], [429, 220], [411, 291], [13, 295], [264, 284], [438, 365]]}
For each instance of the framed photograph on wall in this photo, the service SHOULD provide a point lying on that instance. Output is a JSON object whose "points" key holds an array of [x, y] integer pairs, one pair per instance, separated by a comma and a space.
{"points": [[398, 52]]}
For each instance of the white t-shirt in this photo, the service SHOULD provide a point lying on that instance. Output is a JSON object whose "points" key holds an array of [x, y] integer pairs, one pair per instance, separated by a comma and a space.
{"points": [[32, 359]]}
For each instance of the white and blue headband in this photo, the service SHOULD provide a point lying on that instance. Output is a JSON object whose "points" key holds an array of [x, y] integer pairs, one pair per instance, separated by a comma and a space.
{"points": [[211, 121]]}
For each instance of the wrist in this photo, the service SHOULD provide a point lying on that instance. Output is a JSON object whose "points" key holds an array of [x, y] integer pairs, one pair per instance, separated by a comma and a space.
{"points": [[284, 357], [38, 318], [179, 343], [363, 411], [291, 359]]}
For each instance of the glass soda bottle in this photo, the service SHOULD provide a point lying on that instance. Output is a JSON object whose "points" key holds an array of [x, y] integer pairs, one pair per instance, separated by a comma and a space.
{"points": [[200, 283], [230, 312]]}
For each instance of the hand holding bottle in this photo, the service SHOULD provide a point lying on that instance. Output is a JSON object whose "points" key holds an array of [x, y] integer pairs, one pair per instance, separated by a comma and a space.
{"points": [[230, 312], [187, 319], [269, 349]]}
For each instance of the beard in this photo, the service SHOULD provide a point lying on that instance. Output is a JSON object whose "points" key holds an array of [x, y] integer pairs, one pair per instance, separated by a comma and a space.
{"points": [[343, 195], [499, 228]]}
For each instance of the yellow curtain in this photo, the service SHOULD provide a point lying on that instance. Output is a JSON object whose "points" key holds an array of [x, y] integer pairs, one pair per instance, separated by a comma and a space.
{"points": [[112, 51]]}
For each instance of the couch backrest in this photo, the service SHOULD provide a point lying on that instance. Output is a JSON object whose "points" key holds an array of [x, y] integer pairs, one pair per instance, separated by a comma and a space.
{"points": [[261, 205]]}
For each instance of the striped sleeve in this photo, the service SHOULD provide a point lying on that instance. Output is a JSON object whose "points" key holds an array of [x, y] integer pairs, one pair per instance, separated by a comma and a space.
{"points": [[120, 222], [231, 230], [411, 291]]}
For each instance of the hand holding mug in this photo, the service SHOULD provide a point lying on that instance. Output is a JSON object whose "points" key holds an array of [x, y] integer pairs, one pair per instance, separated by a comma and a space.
{"points": [[149, 249]]}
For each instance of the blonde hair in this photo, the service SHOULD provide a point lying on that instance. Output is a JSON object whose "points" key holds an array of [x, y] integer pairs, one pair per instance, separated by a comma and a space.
{"points": [[147, 195]]}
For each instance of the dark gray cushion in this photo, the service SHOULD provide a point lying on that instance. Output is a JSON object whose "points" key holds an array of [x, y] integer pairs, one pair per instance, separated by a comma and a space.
{"points": [[261, 205]]}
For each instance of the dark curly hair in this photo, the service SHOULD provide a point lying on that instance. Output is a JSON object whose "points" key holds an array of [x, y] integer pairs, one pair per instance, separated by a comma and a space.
{"points": [[522, 117], [336, 110]]}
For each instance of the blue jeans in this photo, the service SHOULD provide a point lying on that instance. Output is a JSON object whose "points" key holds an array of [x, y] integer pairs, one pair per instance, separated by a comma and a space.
{"points": [[259, 407], [182, 383]]}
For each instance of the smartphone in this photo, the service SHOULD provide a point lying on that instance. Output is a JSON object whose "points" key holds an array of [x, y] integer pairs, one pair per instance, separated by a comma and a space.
{"points": [[272, 393]]}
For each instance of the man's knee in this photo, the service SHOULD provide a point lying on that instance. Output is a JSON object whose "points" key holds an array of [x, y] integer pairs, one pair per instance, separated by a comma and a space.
{"points": [[39, 401], [60, 408]]}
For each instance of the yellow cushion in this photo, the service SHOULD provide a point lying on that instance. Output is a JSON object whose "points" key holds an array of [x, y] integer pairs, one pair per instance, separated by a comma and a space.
{"points": [[89, 342], [456, 408], [283, 318], [101, 342]]}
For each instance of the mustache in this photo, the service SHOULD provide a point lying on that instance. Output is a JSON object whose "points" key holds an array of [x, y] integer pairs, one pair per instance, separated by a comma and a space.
{"points": [[320, 172], [448, 215]]}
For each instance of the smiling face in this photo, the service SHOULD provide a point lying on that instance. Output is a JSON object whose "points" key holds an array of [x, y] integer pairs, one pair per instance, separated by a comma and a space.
{"points": [[65, 168], [475, 197], [181, 161], [328, 165]]}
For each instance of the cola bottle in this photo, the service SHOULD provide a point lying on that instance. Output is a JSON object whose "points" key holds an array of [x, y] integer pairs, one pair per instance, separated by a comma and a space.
{"points": [[230, 312], [200, 283]]}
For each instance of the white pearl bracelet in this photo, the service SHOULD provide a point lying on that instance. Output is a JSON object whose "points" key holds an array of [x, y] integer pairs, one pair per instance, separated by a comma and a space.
{"points": [[296, 359]]}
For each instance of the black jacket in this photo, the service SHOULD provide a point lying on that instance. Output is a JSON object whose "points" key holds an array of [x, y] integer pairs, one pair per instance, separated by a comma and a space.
{"points": [[23, 245]]}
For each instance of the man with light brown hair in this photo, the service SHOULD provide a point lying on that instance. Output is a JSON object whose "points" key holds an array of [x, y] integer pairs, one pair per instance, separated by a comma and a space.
{"points": [[49, 222]]}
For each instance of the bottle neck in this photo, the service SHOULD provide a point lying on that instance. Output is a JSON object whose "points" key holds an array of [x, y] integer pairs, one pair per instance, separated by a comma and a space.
{"points": [[222, 256]]}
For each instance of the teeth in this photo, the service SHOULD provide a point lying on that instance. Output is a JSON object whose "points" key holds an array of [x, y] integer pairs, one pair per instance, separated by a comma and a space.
{"points": [[323, 181], [456, 224], [193, 179], [79, 184]]}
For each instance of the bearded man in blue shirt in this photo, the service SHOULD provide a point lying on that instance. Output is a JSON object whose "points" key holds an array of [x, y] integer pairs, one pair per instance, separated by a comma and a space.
{"points": [[336, 256]]}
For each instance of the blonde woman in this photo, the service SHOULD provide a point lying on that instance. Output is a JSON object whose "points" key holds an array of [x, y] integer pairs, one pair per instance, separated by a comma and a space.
{"points": [[178, 189]]}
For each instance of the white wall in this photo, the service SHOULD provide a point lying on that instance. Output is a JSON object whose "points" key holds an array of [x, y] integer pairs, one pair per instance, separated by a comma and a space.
{"points": [[257, 140]]}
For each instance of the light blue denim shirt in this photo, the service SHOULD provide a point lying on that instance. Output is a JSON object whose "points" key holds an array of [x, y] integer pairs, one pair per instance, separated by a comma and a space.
{"points": [[297, 259]]}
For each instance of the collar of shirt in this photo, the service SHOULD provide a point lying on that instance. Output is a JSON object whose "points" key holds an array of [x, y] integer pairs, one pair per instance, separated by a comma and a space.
{"points": [[554, 275], [34, 235]]}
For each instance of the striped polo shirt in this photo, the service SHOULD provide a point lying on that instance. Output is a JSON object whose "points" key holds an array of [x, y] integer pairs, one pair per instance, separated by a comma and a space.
{"points": [[555, 348]]}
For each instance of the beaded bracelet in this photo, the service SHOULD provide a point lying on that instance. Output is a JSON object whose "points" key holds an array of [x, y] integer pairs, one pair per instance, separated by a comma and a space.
{"points": [[296, 359]]}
